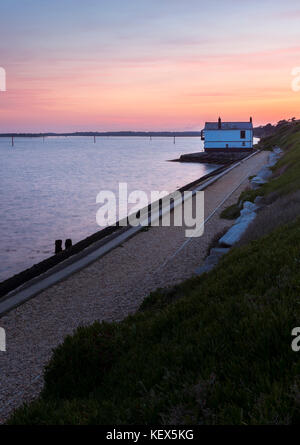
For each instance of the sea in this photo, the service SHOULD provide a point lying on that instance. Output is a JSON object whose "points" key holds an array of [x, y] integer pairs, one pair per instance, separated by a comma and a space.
{"points": [[48, 187]]}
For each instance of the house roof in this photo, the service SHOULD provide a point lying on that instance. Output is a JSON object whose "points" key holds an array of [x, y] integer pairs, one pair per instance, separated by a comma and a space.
{"points": [[229, 126]]}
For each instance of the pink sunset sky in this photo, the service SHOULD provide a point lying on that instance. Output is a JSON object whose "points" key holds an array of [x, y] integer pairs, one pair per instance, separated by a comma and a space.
{"points": [[146, 64]]}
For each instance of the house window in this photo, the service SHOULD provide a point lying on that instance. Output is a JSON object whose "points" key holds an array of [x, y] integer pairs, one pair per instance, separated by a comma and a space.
{"points": [[227, 146], [244, 144], [243, 134]]}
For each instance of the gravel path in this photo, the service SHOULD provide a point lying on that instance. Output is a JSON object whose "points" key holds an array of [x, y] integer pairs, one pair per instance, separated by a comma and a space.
{"points": [[109, 289]]}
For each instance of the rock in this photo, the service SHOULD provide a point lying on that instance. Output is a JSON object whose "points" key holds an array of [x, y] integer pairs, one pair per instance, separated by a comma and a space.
{"points": [[204, 269], [257, 182], [243, 213], [261, 178], [273, 158], [248, 209], [220, 251], [265, 173], [246, 218], [258, 200], [235, 233], [248, 205], [277, 150], [212, 260]]}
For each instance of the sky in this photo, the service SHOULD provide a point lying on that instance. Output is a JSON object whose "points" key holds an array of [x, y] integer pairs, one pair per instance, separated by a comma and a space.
{"points": [[98, 65]]}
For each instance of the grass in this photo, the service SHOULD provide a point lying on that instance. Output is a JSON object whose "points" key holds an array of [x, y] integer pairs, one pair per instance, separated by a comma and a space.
{"points": [[228, 338], [286, 173], [288, 139], [278, 210], [215, 349]]}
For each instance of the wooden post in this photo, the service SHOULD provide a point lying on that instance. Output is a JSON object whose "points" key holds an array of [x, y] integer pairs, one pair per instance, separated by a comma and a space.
{"points": [[94, 139], [12, 141], [68, 243], [58, 246], [174, 140]]}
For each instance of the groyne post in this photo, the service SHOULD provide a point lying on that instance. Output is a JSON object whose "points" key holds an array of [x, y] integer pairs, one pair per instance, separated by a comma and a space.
{"points": [[68, 243], [58, 246]]}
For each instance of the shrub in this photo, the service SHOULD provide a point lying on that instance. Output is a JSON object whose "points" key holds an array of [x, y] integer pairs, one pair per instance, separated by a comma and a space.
{"points": [[58, 412], [79, 364], [231, 212]]}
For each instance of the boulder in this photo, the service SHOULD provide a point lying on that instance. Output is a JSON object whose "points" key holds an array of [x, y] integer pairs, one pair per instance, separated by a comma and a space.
{"points": [[249, 206], [220, 251], [273, 158], [265, 173], [235, 233], [258, 200], [212, 260], [257, 182], [246, 217], [204, 269]]}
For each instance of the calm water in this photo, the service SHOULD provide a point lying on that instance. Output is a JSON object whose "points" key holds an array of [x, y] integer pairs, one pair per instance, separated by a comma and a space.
{"points": [[48, 190]]}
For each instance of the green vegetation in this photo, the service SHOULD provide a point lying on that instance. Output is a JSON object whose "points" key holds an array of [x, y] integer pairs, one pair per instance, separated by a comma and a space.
{"points": [[269, 129], [276, 213], [287, 138], [214, 350], [286, 173], [231, 212]]}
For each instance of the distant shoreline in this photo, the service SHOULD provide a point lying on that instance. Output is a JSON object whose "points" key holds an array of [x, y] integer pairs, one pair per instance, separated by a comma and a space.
{"points": [[258, 132], [110, 133]]}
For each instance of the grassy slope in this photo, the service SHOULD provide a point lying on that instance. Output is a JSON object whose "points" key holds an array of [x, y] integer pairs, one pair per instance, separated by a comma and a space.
{"points": [[287, 138], [215, 349]]}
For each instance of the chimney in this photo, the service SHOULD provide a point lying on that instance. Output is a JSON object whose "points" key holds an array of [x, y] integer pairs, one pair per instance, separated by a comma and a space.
{"points": [[251, 119], [219, 124]]}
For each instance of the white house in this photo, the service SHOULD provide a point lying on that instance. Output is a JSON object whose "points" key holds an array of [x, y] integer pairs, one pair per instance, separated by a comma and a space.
{"points": [[231, 136]]}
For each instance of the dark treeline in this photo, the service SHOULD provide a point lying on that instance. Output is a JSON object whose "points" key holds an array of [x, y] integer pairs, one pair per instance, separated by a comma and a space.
{"points": [[109, 133], [260, 132], [269, 129]]}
